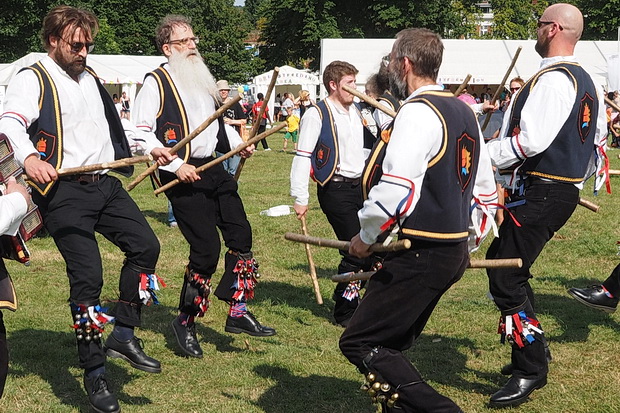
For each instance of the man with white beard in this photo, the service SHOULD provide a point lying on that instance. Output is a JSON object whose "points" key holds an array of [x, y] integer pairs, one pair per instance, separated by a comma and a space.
{"points": [[202, 201]]}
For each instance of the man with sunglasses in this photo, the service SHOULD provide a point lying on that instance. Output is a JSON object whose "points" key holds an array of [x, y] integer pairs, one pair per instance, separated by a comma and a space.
{"points": [[203, 201], [58, 115], [552, 139]]}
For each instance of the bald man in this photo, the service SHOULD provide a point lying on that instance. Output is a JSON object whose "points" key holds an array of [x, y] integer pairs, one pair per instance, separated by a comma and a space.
{"points": [[552, 141]]}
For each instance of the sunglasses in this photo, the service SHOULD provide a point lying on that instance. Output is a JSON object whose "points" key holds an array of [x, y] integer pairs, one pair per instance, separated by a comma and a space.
{"points": [[76, 47], [185, 41]]}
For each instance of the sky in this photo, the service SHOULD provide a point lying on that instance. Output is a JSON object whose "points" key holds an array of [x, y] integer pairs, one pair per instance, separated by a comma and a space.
{"points": [[239, 2]]}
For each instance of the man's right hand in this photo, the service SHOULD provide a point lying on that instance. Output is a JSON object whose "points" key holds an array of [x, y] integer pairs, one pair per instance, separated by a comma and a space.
{"points": [[13, 186], [187, 173], [39, 171], [300, 210]]}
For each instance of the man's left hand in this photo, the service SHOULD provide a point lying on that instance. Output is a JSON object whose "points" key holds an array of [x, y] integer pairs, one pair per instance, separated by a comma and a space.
{"points": [[359, 248], [247, 152], [162, 156]]}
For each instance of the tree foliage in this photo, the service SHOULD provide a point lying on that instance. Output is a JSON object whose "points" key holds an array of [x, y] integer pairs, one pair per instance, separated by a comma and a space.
{"points": [[516, 19], [293, 28], [602, 19]]}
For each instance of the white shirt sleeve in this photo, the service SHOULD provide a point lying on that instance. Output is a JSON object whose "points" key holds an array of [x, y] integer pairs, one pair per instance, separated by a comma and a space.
{"points": [[13, 208], [383, 119], [21, 109], [551, 99], [309, 130]]}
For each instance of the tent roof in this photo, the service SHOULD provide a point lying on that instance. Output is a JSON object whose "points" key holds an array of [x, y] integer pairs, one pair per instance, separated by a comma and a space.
{"points": [[116, 69], [287, 76], [486, 60]]}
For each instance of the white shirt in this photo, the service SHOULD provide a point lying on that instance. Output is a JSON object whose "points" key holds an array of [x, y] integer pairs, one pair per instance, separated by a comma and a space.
{"points": [[382, 119], [13, 208], [198, 109], [350, 140], [86, 133], [546, 110], [416, 138]]}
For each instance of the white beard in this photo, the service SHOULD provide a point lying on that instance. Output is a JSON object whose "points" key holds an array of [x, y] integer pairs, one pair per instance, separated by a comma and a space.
{"points": [[193, 75]]}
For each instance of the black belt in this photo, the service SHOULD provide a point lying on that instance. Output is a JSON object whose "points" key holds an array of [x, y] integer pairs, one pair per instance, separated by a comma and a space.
{"points": [[340, 178], [86, 178]]}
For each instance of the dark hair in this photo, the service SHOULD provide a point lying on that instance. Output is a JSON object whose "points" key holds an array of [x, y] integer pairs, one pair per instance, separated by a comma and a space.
{"points": [[166, 27], [260, 96], [610, 95], [335, 71], [62, 17], [423, 48]]}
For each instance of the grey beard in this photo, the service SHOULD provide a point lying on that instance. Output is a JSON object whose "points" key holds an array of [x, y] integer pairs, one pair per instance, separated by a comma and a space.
{"points": [[193, 75], [398, 86]]}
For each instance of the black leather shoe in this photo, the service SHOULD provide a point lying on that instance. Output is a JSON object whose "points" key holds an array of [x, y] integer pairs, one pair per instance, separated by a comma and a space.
{"points": [[131, 351], [508, 368], [100, 398], [516, 391], [248, 324], [186, 338], [595, 297]]}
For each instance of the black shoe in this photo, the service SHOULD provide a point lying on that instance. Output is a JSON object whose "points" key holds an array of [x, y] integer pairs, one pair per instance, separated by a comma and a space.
{"points": [[132, 352], [516, 391], [595, 297], [248, 324], [343, 309], [186, 338], [100, 398], [508, 368]]}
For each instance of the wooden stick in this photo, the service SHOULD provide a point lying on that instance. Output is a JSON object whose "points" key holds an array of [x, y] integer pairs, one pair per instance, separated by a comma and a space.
{"points": [[459, 89], [501, 86], [590, 205], [204, 125], [370, 100], [498, 263], [222, 158], [614, 172], [104, 165], [344, 245], [263, 108], [315, 281], [612, 104]]}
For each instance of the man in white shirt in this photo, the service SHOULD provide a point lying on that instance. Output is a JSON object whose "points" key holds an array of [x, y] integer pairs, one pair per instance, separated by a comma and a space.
{"points": [[552, 139], [205, 201], [435, 171], [332, 148], [76, 124]]}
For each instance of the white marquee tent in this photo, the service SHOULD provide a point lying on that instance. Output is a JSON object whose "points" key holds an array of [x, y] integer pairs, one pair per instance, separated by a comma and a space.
{"points": [[486, 60], [289, 80], [118, 72]]}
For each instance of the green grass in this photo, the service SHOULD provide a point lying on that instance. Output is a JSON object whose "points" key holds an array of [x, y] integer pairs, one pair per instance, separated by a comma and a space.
{"points": [[301, 369]]}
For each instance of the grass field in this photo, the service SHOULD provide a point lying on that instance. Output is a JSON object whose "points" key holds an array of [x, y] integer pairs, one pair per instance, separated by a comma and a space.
{"points": [[301, 368]]}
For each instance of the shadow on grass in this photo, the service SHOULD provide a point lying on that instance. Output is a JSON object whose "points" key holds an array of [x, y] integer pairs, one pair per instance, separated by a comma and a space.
{"points": [[315, 393], [441, 359], [50, 354], [156, 215]]}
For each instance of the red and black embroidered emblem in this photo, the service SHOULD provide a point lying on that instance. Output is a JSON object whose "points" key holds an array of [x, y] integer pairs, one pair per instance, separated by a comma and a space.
{"points": [[45, 144], [171, 133], [322, 155], [465, 154], [585, 116]]}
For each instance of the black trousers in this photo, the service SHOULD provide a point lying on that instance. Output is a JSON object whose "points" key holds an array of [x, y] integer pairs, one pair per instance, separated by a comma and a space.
{"points": [[398, 302], [4, 349], [72, 212], [200, 209], [263, 141], [612, 283], [547, 208], [340, 202]]}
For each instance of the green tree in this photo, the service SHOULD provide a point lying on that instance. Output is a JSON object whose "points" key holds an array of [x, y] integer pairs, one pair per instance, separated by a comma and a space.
{"points": [[20, 25], [516, 19], [602, 19]]}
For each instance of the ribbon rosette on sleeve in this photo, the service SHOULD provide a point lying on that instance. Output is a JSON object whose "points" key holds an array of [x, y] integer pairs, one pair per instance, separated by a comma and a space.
{"points": [[247, 274], [518, 329], [89, 321], [149, 283]]}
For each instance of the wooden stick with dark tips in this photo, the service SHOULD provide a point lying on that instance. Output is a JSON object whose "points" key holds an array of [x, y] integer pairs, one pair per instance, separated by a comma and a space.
{"points": [[400, 245], [312, 267], [499, 89]]}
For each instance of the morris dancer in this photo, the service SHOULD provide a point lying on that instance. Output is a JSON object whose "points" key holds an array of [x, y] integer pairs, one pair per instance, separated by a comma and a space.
{"points": [[552, 135], [88, 131], [201, 203], [435, 171], [333, 146], [601, 296]]}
